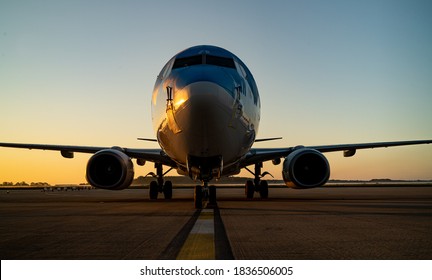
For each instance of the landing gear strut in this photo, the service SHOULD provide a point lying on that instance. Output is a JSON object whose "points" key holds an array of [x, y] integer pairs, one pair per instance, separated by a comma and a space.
{"points": [[160, 186], [257, 185]]}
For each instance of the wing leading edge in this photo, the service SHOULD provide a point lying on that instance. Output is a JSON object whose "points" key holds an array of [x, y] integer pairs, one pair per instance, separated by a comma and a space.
{"points": [[153, 155], [261, 155]]}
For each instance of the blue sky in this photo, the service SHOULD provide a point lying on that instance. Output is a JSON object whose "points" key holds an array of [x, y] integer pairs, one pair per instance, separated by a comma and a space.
{"points": [[82, 72]]}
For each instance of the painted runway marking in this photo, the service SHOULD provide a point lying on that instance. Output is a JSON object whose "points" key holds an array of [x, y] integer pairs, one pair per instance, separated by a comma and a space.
{"points": [[200, 244], [174, 247]]}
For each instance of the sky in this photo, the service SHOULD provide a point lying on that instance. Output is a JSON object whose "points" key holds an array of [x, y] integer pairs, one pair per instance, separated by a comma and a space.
{"points": [[328, 72]]}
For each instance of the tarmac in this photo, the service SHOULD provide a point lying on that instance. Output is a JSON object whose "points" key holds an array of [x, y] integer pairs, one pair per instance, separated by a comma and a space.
{"points": [[328, 223]]}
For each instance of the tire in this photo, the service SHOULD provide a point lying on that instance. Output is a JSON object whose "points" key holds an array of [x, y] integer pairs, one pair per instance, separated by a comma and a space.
{"points": [[167, 190], [153, 190], [198, 197], [212, 195], [249, 189], [263, 189]]}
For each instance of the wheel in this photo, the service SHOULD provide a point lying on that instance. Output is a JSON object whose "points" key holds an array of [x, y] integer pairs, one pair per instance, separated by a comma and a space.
{"points": [[212, 195], [153, 190], [167, 190], [263, 189], [198, 197], [205, 193], [249, 189]]}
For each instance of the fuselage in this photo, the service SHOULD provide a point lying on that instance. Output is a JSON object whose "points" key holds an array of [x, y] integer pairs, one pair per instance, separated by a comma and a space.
{"points": [[205, 111]]}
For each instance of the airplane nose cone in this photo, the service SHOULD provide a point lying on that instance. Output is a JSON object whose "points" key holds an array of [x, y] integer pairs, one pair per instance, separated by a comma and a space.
{"points": [[203, 119], [202, 110], [206, 106]]}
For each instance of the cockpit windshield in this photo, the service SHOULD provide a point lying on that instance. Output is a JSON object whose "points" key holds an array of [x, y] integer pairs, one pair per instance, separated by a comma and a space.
{"points": [[187, 61], [204, 59], [219, 61]]}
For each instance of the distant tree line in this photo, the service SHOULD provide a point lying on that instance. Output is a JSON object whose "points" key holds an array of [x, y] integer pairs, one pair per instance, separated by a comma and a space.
{"points": [[32, 184], [141, 180]]}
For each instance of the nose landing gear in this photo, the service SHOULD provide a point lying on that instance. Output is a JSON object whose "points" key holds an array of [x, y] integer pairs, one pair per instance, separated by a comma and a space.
{"points": [[204, 193]]}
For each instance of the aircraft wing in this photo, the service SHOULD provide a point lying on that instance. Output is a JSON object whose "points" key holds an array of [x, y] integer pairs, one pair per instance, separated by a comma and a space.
{"points": [[256, 155], [153, 155]]}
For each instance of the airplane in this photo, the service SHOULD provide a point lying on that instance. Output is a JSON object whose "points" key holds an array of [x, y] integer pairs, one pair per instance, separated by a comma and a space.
{"points": [[205, 112]]}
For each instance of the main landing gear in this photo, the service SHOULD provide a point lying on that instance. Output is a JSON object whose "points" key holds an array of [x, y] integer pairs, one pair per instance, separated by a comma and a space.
{"points": [[160, 186], [257, 185], [205, 192]]}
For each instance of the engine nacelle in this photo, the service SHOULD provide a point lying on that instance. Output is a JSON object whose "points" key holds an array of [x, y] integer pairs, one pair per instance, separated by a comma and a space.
{"points": [[305, 168], [110, 169]]}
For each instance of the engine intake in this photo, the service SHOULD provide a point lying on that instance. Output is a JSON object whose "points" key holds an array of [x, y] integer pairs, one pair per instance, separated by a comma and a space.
{"points": [[305, 168], [110, 169]]}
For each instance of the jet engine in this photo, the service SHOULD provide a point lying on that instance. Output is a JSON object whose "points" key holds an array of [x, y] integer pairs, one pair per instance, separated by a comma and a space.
{"points": [[305, 168], [110, 169]]}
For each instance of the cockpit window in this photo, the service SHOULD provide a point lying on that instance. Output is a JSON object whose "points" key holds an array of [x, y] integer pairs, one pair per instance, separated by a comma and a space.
{"points": [[187, 61], [220, 61], [204, 59]]}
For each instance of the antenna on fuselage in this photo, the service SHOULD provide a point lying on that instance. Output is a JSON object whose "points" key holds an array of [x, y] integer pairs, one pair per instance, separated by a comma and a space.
{"points": [[172, 123], [169, 94], [147, 139], [268, 139]]}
